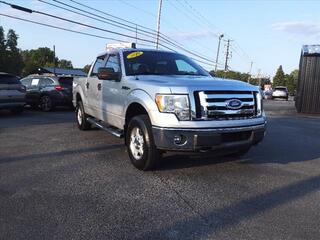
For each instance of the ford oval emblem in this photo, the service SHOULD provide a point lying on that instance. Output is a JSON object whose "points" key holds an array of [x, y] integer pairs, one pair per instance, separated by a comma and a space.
{"points": [[234, 104]]}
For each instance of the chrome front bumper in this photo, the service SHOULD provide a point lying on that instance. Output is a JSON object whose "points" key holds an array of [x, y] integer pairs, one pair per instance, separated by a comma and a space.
{"points": [[173, 139]]}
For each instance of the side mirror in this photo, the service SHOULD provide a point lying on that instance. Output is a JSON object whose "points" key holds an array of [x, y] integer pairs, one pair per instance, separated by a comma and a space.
{"points": [[108, 74]]}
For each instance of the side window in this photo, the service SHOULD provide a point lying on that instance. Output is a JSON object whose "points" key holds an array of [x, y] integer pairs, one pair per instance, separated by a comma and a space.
{"points": [[45, 82], [34, 82], [100, 62], [113, 62], [26, 82], [185, 67]]}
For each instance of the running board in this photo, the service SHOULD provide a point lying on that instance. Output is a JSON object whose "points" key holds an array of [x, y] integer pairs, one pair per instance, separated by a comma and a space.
{"points": [[112, 130]]}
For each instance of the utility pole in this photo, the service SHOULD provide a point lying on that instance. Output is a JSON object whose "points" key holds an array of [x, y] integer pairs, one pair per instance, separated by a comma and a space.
{"points": [[158, 24], [54, 59], [136, 34], [217, 58], [227, 55], [259, 77], [250, 72]]}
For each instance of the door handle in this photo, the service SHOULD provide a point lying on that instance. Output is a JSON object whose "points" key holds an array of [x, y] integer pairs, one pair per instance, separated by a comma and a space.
{"points": [[125, 88], [87, 85], [99, 86]]}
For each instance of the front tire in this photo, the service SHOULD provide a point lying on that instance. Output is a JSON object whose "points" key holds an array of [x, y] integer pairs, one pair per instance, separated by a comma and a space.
{"points": [[81, 116], [140, 144]]}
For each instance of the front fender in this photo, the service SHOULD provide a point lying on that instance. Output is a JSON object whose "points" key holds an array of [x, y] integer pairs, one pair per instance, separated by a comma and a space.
{"points": [[144, 99], [77, 89]]}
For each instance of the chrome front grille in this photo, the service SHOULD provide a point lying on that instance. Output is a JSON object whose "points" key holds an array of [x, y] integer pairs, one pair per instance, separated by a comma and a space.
{"points": [[216, 105]]}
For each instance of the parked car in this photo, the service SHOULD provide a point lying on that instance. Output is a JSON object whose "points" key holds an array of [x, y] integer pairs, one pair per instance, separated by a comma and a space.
{"points": [[267, 94], [280, 92], [12, 93], [47, 92], [161, 101]]}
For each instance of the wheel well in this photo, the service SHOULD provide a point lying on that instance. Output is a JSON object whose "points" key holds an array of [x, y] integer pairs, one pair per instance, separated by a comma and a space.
{"points": [[133, 110], [78, 97]]}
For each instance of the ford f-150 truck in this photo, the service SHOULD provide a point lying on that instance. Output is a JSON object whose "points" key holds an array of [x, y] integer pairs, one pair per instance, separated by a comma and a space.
{"points": [[161, 101]]}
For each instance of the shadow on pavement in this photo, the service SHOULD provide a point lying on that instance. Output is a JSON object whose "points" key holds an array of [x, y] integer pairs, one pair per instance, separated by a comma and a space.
{"points": [[34, 117], [58, 154], [218, 219]]}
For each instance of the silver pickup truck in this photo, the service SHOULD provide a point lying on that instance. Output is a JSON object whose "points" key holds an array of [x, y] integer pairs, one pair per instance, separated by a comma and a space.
{"points": [[161, 101]]}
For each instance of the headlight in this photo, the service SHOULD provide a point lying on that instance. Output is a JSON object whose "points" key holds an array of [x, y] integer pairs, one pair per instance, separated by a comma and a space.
{"points": [[177, 104], [259, 104]]}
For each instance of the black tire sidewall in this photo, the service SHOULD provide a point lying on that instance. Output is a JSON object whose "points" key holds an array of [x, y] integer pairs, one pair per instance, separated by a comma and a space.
{"points": [[150, 156], [51, 106], [84, 124]]}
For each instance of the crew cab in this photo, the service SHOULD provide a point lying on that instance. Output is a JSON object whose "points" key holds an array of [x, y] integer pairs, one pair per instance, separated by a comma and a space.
{"points": [[161, 101]]}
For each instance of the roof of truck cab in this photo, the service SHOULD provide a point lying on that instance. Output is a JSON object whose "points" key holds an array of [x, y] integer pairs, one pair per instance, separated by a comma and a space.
{"points": [[117, 50]]}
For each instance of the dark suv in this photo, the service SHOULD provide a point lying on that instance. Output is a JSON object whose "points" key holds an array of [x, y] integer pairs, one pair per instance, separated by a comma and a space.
{"points": [[12, 93], [47, 92]]}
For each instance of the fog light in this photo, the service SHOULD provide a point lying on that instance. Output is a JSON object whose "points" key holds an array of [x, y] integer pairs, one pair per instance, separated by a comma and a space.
{"points": [[179, 139]]}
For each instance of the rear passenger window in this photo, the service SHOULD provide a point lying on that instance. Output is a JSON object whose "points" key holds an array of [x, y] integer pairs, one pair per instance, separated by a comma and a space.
{"points": [[45, 82], [100, 62]]}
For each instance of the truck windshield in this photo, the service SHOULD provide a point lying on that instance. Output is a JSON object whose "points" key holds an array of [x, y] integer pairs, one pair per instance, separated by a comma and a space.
{"points": [[160, 63]]}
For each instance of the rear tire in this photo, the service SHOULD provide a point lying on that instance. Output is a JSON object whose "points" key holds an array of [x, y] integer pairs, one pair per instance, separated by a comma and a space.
{"points": [[140, 144], [81, 116], [46, 104]]}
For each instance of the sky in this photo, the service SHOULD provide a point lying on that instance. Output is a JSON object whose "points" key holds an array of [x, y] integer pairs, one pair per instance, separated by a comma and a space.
{"points": [[267, 33]]}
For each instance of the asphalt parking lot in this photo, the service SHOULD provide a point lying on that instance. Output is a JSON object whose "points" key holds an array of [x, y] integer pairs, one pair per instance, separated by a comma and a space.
{"points": [[57, 182]]}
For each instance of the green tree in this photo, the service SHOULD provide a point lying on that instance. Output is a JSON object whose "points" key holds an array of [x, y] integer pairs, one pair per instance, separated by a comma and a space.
{"points": [[231, 75], [63, 63], [12, 41], [11, 61], [279, 78], [3, 52], [292, 80], [35, 58], [86, 68]]}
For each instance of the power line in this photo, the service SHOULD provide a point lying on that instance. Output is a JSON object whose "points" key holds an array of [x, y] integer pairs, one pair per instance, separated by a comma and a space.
{"points": [[56, 27], [166, 39], [177, 30], [137, 8], [201, 18], [98, 28], [79, 32], [97, 19], [199, 15], [75, 22], [191, 14]]}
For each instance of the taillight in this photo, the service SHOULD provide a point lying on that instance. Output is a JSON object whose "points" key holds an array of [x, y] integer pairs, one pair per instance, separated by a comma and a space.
{"points": [[58, 88]]}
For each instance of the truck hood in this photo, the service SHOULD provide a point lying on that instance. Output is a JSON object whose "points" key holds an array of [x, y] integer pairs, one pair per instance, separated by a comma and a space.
{"points": [[183, 84]]}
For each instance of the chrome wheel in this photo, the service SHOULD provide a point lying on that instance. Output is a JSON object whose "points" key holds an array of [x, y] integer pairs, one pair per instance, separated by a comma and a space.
{"points": [[79, 116], [137, 143]]}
